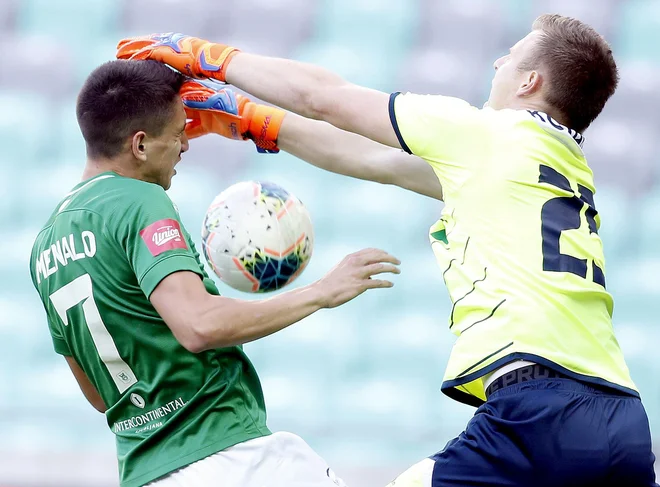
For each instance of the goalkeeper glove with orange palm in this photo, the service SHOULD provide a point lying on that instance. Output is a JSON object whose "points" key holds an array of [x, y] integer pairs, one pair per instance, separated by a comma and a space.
{"points": [[192, 56], [213, 109]]}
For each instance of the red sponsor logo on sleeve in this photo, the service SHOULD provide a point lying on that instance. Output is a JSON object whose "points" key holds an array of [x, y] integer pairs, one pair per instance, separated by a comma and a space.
{"points": [[163, 235]]}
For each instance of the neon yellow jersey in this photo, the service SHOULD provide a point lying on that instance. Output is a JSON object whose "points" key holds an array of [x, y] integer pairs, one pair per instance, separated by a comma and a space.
{"points": [[517, 242]]}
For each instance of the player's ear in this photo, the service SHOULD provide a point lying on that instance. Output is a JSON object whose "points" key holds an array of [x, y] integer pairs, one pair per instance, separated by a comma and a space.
{"points": [[530, 85], [138, 146]]}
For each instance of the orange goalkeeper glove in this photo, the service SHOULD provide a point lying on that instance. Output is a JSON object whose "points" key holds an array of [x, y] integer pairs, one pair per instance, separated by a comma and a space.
{"points": [[213, 109], [189, 55]]}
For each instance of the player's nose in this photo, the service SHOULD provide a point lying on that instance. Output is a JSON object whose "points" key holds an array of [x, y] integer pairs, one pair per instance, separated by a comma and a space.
{"points": [[498, 62], [185, 145]]}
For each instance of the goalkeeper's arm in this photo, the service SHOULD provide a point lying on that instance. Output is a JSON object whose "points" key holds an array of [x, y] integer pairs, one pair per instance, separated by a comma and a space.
{"points": [[302, 88], [221, 111], [316, 93], [341, 152]]}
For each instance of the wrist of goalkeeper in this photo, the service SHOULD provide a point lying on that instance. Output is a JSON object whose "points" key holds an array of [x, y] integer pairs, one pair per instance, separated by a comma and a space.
{"points": [[211, 109], [261, 124]]}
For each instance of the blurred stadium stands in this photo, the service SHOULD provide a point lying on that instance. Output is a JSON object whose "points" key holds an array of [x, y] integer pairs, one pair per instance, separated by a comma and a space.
{"points": [[359, 383]]}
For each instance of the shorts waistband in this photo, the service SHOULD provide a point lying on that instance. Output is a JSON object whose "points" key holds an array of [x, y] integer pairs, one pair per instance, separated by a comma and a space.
{"points": [[523, 374]]}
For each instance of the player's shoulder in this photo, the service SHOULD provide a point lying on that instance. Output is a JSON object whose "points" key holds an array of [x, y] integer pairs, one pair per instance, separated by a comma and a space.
{"points": [[132, 188], [458, 110], [115, 199], [118, 191], [533, 126], [507, 118], [535, 120], [440, 105]]}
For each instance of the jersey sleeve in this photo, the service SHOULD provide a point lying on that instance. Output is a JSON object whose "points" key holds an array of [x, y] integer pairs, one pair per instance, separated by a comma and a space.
{"points": [[150, 232], [59, 343], [449, 133]]}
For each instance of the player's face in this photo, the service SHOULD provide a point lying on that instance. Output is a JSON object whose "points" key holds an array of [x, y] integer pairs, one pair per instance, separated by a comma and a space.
{"points": [[166, 149], [508, 77]]}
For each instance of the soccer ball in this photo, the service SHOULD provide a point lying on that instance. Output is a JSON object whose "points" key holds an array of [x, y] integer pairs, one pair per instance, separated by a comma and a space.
{"points": [[257, 237]]}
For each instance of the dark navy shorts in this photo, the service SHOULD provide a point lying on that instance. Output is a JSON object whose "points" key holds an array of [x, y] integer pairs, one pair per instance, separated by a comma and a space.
{"points": [[553, 432]]}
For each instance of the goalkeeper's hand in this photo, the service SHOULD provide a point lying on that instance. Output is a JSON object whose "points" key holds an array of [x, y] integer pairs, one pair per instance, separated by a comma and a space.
{"points": [[192, 56], [214, 109]]}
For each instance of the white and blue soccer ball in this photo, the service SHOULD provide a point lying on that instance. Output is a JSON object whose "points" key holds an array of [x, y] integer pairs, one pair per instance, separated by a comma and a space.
{"points": [[257, 237]]}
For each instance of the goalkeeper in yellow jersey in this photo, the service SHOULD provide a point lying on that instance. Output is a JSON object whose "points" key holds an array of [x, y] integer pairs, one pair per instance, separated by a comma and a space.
{"points": [[517, 241]]}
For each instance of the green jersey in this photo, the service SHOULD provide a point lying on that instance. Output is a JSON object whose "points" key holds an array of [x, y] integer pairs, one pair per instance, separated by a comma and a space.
{"points": [[95, 263]]}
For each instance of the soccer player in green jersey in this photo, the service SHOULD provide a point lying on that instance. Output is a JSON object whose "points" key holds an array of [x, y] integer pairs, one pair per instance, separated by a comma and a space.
{"points": [[131, 308], [517, 242]]}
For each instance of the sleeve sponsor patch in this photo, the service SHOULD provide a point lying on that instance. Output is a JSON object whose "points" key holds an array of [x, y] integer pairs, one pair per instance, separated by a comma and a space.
{"points": [[163, 235]]}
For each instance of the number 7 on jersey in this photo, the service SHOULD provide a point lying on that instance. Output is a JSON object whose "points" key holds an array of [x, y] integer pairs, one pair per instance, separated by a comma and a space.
{"points": [[80, 290]]}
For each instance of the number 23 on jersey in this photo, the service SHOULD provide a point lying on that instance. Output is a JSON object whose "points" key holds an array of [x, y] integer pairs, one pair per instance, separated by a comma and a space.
{"points": [[562, 214]]}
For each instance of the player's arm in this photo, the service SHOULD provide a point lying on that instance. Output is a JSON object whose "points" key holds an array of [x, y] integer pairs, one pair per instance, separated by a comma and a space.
{"points": [[87, 388], [448, 133], [62, 348], [212, 108], [202, 321], [302, 88], [341, 152], [316, 93], [170, 276]]}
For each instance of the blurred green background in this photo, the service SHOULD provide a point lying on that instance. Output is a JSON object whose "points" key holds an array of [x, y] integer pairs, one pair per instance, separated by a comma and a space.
{"points": [[359, 383]]}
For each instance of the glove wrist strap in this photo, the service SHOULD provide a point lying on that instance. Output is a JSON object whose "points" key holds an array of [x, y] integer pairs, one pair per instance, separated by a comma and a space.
{"points": [[225, 58], [264, 126]]}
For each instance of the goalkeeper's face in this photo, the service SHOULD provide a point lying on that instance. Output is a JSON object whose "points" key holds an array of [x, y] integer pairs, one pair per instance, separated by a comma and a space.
{"points": [[511, 83], [164, 151]]}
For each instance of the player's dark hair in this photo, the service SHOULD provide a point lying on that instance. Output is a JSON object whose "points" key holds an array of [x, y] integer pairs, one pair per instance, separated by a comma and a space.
{"points": [[121, 98], [580, 66]]}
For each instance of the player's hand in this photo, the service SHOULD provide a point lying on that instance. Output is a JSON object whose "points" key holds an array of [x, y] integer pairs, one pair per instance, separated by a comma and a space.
{"points": [[353, 276], [211, 108], [195, 57]]}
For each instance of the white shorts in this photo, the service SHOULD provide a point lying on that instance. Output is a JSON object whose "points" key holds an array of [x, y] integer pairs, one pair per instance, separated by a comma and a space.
{"points": [[278, 460]]}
